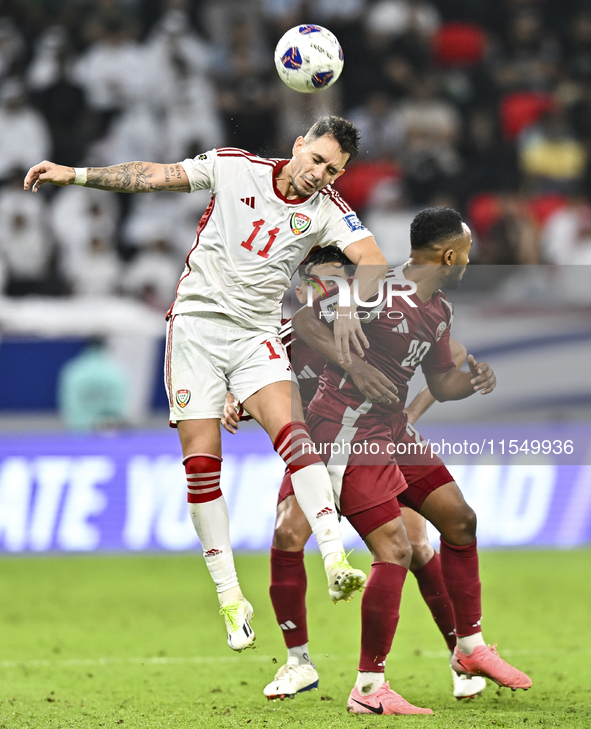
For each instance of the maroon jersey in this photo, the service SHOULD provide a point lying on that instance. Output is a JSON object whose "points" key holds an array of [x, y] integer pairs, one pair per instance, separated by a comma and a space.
{"points": [[307, 364], [401, 338]]}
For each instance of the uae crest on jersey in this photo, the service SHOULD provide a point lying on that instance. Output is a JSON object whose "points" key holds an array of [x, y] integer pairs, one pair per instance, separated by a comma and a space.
{"points": [[441, 330], [299, 223], [183, 397]]}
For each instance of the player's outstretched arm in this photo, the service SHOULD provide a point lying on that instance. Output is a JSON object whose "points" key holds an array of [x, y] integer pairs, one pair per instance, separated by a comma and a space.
{"points": [[372, 384], [126, 177], [423, 401], [456, 385]]}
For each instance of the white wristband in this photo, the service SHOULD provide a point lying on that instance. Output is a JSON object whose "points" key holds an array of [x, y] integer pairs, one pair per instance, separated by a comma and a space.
{"points": [[81, 173]]}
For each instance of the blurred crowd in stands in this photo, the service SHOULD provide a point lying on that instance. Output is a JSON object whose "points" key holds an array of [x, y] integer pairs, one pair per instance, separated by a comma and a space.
{"points": [[484, 105]]}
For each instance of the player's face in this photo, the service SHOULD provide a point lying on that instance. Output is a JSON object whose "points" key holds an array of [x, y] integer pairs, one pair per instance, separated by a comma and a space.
{"points": [[310, 280], [315, 165], [462, 246]]}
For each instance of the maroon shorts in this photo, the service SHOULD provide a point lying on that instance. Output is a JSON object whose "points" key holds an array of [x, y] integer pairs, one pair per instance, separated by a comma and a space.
{"points": [[364, 522], [365, 480], [286, 489]]}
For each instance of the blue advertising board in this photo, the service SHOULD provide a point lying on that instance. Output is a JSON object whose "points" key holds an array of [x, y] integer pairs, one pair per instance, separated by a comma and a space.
{"points": [[127, 492]]}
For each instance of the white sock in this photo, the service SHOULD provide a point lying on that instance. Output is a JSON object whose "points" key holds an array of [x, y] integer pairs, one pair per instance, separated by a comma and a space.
{"points": [[299, 656], [212, 525], [368, 682], [467, 643], [313, 491]]}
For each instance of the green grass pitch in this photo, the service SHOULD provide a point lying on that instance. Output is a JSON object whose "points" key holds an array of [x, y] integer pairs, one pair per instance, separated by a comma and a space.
{"points": [[134, 641]]}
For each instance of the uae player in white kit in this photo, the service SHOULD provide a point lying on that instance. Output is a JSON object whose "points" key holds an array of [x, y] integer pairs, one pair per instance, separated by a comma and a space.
{"points": [[263, 219]]}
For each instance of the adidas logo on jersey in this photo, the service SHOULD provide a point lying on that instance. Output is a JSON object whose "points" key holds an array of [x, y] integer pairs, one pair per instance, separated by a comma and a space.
{"points": [[248, 201], [307, 374], [402, 328], [327, 511]]}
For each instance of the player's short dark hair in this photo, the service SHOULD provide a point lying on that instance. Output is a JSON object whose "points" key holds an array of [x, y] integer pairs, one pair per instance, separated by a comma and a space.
{"points": [[433, 225], [329, 254], [343, 131]]}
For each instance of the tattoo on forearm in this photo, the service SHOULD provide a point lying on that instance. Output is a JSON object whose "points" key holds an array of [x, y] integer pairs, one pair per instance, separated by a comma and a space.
{"points": [[137, 177]]}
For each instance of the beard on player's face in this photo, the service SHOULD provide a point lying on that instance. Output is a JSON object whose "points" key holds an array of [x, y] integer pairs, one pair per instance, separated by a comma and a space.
{"points": [[454, 277]]}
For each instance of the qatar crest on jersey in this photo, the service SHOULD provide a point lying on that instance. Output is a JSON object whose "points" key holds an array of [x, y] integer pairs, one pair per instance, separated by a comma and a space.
{"points": [[441, 330], [183, 397], [299, 223]]}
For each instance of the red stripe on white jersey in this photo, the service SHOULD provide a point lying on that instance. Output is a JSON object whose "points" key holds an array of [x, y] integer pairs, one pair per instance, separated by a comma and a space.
{"points": [[167, 362], [235, 149], [248, 159], [336, 199], [202, 223]]}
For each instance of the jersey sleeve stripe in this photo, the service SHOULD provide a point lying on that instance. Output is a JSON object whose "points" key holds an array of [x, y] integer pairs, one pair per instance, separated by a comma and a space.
{"points": [[336, 199], [231, 152]]}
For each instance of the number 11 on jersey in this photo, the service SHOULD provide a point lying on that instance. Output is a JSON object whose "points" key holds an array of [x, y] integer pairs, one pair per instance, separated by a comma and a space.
{"points": [[257, 225]]}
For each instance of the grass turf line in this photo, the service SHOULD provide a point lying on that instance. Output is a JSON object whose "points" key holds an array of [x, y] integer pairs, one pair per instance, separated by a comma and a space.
{"points": [[134, 641]]}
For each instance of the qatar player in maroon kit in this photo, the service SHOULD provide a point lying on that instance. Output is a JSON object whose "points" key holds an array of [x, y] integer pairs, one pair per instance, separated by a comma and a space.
{"points": [[361, 401], [288, 574]]}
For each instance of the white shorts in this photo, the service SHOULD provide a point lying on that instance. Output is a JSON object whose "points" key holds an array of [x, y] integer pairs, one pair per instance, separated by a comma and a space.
{"points": [[208, 354]]}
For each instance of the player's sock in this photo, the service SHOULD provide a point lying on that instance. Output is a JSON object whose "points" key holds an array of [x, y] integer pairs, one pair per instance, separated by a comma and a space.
{"points": [[380, 612], [299, 655], [288, 595], [312, 486], [368, 682], [209, 515], [434, 592], [467, 643], [459, 566]]}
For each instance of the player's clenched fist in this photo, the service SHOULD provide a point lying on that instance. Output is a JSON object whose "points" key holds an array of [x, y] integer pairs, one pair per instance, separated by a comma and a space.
{"points": [[483, 377], [49, 172]]}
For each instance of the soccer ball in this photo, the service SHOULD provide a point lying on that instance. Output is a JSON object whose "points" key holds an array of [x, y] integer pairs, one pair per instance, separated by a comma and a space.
{"points": [[309, 58]]}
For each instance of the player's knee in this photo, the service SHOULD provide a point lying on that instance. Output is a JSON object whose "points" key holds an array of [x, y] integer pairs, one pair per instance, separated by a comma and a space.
{"points": [[290, 535], [422, 553], [390, 545], [464, 528]]}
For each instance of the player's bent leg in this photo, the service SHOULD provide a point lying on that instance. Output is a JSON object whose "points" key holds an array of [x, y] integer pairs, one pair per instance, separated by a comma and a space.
{"points": [[448, 511], [426, 567], [416, 529], [446, 508], [292, 529], [209, 515], [276, 407], [380, 612], [288, 578], [288, 596]]}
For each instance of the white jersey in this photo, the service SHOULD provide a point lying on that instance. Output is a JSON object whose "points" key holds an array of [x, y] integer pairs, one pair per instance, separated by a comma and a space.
{"points": [[251, 239]]}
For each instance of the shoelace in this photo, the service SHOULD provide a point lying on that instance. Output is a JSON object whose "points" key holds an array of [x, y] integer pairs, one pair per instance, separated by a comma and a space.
{"points": [[230, 613], [343, 563]]}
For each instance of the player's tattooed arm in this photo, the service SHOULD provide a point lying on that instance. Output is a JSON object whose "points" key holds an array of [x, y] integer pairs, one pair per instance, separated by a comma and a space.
{"points": [[126, 177], [138, 177]]}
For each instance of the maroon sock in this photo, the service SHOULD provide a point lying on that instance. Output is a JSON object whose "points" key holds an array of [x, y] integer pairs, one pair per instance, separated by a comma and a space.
{"points": [[459, 566], [288, 595], [380, 611], [435, 594]]}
